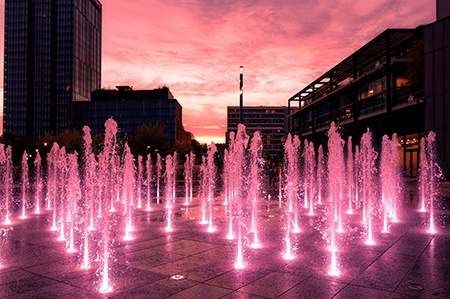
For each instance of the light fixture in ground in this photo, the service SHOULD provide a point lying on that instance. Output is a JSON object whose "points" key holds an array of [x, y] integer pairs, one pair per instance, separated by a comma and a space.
{"points": [[177, 277]]}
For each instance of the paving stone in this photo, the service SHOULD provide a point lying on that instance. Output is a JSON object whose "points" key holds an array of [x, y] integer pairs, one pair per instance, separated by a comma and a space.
{"points": [[407, 262], [386, 272], [273, 284], [56, 291], [425, 285], [314, 288], [411, 244], [23, 285], [201, 291], [352, 291], [238, 278], [160, 289], [241, 295]]}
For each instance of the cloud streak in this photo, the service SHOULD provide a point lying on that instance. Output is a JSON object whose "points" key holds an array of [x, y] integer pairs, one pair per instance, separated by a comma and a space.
{"points": [[195, 47]]}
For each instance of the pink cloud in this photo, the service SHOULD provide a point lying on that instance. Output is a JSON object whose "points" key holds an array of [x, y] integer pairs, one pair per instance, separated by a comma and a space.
{"points": [[195, 47]]}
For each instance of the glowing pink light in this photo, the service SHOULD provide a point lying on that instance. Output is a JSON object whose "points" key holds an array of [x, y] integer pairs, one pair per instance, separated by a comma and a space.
{"points": [[333, 248], [85, 264], [128, 236], [211, 229], [431, 229], [230, 236], [239, 260], [256, 245], [333, 269], [7, 220], [370, 242], [288, 256], [105, 287]]}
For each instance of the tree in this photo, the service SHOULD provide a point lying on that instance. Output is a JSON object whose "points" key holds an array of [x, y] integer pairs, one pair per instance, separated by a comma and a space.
{"points": [[150, 139], [19, 144], [199, 150], [71, 139]]}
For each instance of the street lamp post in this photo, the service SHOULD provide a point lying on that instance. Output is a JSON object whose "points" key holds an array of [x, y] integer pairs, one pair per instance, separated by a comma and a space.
{"points": [[241, 93]]}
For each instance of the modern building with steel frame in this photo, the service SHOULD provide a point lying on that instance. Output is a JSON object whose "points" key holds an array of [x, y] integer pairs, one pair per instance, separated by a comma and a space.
{"points": [[399, 82]]}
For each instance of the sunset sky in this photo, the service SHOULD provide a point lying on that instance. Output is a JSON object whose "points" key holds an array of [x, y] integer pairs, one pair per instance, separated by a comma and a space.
{"points": [[195, 47]]}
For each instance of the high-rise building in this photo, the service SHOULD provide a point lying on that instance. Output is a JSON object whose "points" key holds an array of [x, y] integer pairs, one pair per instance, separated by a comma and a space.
{"points": [[52, 57], [270, 121]]}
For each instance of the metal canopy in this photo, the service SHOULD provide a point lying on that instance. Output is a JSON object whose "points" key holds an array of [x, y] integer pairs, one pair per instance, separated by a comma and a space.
{"points": [[375, 49]]}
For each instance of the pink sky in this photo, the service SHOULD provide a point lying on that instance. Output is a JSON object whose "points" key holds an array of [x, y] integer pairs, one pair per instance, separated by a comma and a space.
{"points": [[195, 47]]}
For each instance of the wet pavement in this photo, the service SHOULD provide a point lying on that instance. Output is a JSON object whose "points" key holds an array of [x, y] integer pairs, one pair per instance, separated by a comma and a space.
{"points": [[407, 262]]}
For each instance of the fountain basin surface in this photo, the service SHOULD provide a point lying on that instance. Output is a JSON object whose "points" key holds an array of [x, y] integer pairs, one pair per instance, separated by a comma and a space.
{"points": [[34, 263]]}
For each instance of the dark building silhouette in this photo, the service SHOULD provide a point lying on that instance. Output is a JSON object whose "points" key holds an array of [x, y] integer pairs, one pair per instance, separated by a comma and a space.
{"points": [[399, 82], [52, 57], [437, 81], [270, 121], [130, 109]]}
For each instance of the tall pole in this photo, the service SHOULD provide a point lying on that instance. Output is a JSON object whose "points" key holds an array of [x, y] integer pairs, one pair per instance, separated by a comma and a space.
{"points": [[241, 93]]}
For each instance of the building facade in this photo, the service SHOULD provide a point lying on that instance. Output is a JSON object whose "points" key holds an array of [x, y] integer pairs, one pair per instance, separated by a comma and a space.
{"points": [[270, 121], [52, 57], [372, 88], [437, 81], [399, 82], [130, 109]]}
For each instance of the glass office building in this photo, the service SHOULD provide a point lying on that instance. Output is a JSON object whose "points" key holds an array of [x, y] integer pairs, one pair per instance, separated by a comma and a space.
{"points": [[52, 57], [270, 121]]}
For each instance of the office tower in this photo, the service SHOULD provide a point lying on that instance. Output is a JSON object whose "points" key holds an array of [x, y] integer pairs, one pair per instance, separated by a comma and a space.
{"points": [[270, 121], [52, 57]]}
